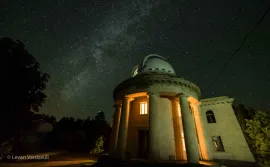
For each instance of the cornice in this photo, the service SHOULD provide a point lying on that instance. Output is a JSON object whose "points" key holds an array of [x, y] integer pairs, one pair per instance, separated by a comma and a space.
{"points": [[216, 101], [147, 79]]}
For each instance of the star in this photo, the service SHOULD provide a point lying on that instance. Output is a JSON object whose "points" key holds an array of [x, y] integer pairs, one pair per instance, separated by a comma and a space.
{"points": [[89, 47]]}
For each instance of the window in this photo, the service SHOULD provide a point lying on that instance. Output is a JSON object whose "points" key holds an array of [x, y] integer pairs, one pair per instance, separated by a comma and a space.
{"points": [[218, 146], [210, 117], [143, 108]]}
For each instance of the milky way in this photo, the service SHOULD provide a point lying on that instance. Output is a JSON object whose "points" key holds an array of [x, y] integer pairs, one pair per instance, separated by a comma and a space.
{"points": [[88, 47], [91, 56]]}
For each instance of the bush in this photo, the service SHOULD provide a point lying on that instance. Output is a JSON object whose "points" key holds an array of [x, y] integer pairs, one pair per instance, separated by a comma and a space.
{"points": [[98, 147], [258, 129]]}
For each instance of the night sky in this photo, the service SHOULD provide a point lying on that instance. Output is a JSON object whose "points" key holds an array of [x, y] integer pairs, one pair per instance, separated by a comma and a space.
{"points": [[90, 46]]}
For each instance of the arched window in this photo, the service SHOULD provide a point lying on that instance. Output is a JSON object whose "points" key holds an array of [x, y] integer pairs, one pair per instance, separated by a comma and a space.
{"points": [[210, 117]]}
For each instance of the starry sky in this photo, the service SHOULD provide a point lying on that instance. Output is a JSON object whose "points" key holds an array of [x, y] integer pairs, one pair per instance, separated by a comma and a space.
{"points": [[90, 46]]}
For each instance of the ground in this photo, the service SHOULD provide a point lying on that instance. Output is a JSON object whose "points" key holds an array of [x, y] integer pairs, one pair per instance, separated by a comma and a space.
{"points": [[62, 159]]}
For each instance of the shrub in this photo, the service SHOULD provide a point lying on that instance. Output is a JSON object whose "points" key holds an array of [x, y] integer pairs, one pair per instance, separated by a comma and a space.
{"points": [[98, 146]]}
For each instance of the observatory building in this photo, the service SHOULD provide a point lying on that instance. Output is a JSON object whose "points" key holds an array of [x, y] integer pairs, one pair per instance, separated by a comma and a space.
{"points": [[159, 116]]}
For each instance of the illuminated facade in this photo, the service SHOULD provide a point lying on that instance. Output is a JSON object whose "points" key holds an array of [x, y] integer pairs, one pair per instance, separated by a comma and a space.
{"points": [[159, 116]]}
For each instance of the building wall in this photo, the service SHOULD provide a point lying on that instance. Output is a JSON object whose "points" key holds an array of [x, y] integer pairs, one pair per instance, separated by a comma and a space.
{"points": [[166, 135], [136, 122], [228, 128]]}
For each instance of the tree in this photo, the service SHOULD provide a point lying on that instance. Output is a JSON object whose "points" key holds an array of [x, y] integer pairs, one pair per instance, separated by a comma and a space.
{"points": [[22, 84], [100, 116], [102, 128], [98, 146], [258, 130], [243, 113]]}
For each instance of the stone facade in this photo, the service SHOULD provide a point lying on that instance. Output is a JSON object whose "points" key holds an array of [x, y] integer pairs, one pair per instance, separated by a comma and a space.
{"points": [[159, 116], [226, 126]]}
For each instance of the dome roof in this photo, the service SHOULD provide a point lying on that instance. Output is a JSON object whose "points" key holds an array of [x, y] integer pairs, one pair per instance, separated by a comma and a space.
{"points": [[153, 63]]}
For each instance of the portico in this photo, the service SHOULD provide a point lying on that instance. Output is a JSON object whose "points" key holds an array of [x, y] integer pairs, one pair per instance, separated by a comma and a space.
{"points": [[180, 121]]}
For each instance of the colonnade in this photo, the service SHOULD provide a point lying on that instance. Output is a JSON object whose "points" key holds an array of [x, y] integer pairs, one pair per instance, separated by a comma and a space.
{"points": [[120, 128]]}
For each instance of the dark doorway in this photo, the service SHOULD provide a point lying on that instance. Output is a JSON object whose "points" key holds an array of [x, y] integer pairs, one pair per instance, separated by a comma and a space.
{"points": [[143, 143]]}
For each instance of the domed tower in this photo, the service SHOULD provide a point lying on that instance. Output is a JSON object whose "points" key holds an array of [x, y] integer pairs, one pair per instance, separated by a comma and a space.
{"points": [[153, 63], [147, 119], [157, 116]]}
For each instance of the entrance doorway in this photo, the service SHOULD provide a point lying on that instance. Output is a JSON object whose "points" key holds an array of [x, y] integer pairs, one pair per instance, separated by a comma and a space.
{"points": [[143, 143]]}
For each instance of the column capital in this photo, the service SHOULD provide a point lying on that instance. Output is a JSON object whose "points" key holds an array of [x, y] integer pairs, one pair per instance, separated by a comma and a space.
{"points": [[195, 103], [176, 98], [173, 98], [182, 96], [152, 93], [126, 97], [117, 105]]}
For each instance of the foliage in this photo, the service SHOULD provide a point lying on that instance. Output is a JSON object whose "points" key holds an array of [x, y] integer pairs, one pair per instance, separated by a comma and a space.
{"points": [[68, 134], [100, 116], [243, 113], [22, 84], [255, 125], [98, 146], [258, 130], [5, 147], [79, 135]]}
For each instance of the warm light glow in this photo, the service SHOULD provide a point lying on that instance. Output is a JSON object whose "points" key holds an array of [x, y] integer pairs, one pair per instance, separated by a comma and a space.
{"points": [[183, 141], [143, 106], [199, 130], [179, 110], [184, 147], [218, 146]]}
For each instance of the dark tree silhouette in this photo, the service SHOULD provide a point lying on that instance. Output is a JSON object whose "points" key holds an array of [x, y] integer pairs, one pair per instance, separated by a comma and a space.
{"points": [[102, 128], [243, 113], [22, 86], [100, 116], [79, 135]]}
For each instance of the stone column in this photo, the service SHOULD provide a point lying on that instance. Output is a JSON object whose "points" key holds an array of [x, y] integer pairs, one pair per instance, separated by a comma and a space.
{"points": [[115, 129], [154, 153], [190, 135], [177, 129], [202, 134], [123, 129]]}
